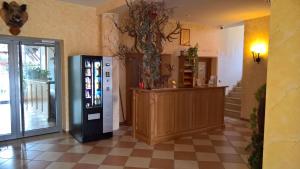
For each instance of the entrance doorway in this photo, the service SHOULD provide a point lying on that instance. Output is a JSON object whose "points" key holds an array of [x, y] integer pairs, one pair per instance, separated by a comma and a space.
{"points": [[30, 87]]}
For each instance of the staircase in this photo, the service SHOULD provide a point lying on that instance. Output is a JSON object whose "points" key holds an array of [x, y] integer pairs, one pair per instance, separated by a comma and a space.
{"points": [[233, 102]]}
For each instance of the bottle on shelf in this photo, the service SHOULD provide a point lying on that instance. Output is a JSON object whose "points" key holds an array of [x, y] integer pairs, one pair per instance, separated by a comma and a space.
{"points": [[87, 72], [87, 95], [87, 83], [87, 64], [97, 100]]}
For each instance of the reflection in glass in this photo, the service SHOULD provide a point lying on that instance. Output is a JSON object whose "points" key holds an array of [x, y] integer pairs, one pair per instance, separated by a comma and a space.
{"points": [[38, 87]]}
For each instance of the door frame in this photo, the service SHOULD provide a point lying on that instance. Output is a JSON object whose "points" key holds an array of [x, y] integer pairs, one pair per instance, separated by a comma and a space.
{"points": [[208, 61], [13, 73], [16, 57]]}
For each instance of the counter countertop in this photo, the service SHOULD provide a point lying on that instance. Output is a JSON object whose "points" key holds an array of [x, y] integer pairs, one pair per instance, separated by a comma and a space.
{"points": [[178, 89]]}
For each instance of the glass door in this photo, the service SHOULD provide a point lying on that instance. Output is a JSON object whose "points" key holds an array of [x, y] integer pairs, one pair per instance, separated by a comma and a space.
{"points": [[38, 88], [93, 82], [30, 96], [98, 83], [7, 92]]}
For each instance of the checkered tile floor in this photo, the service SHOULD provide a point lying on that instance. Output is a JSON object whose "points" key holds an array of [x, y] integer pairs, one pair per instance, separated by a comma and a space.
{"points": [[218, 149]]}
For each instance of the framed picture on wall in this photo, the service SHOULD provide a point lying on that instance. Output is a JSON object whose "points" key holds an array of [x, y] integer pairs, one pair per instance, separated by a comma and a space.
{"points": [[185, 37]]}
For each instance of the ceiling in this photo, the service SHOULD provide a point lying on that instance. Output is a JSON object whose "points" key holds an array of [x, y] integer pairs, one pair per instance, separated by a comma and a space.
{"points": [[218, 12], [209, 12], [92, 3]]}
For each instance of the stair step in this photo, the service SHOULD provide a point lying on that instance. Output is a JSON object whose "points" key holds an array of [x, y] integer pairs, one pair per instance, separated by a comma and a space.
{"points": [[239, 91], [235, 94], [232, 100], [233, 106], [232, 113]]}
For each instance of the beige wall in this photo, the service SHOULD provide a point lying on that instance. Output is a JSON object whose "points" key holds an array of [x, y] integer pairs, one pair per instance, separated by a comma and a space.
{"points": [[282, 127], [254, 75], [207, 38], [76, 25]]}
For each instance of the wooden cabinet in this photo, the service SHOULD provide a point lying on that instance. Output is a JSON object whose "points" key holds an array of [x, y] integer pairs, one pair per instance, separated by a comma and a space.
{"points": [[185, 74], [133, 71], [164, 114]]}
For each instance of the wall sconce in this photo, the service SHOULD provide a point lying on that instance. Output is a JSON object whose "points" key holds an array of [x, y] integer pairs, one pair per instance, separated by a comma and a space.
{"points": [[257, 51]]}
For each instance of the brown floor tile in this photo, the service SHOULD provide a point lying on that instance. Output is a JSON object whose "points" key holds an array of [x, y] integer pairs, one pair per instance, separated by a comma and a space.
{"points": [[70, 157], [85, 166], [210, 165], [220, 143], [241, 150], [198, 150], [216, 132], [164, 147], [51, 141], [115, 160], [246, 133], [184, 141], [207, 149], [59, 148], [100, 150], [92, 143], [162, 163], [235, 138], [178, 155], [184, 147], [37, 164], [200, 136], [232, 158], [141, 153], [125, 144], [229, 128]]}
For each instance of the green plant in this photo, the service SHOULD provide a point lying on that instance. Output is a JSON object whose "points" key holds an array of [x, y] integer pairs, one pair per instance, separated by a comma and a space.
{"points": [[44, 74], [192, 56], [257, 123], [35, 72]]}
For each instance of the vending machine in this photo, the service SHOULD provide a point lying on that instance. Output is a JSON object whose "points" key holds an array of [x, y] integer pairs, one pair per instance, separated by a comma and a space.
{"points": [[90, 97]]}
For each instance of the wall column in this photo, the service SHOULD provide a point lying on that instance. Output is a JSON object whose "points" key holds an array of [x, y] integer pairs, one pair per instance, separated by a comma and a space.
{"points": [[282, 127], [110, 42]]}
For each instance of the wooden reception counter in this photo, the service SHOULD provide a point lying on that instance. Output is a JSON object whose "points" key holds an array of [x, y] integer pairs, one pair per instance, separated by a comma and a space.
{"points": [[163, 114]]}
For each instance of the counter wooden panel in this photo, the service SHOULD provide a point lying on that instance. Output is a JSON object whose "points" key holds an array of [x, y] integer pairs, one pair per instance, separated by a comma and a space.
{"points": [[160, 115]]}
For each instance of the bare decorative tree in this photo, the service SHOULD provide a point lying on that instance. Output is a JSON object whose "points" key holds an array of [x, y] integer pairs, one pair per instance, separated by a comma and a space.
{"points": [[146, 24]]}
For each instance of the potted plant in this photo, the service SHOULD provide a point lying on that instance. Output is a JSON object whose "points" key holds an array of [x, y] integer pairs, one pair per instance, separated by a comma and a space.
{"points": [[44, 74], [193, 58], [257, 120], [37, 73]]}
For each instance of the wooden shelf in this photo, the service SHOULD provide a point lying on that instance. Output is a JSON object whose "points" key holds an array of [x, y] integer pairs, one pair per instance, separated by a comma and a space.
{"points": [[186, 74], [188, 71]]}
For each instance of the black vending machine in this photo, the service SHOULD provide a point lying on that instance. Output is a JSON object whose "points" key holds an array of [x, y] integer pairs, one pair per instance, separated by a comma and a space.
{"points": [[90, 97]]}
